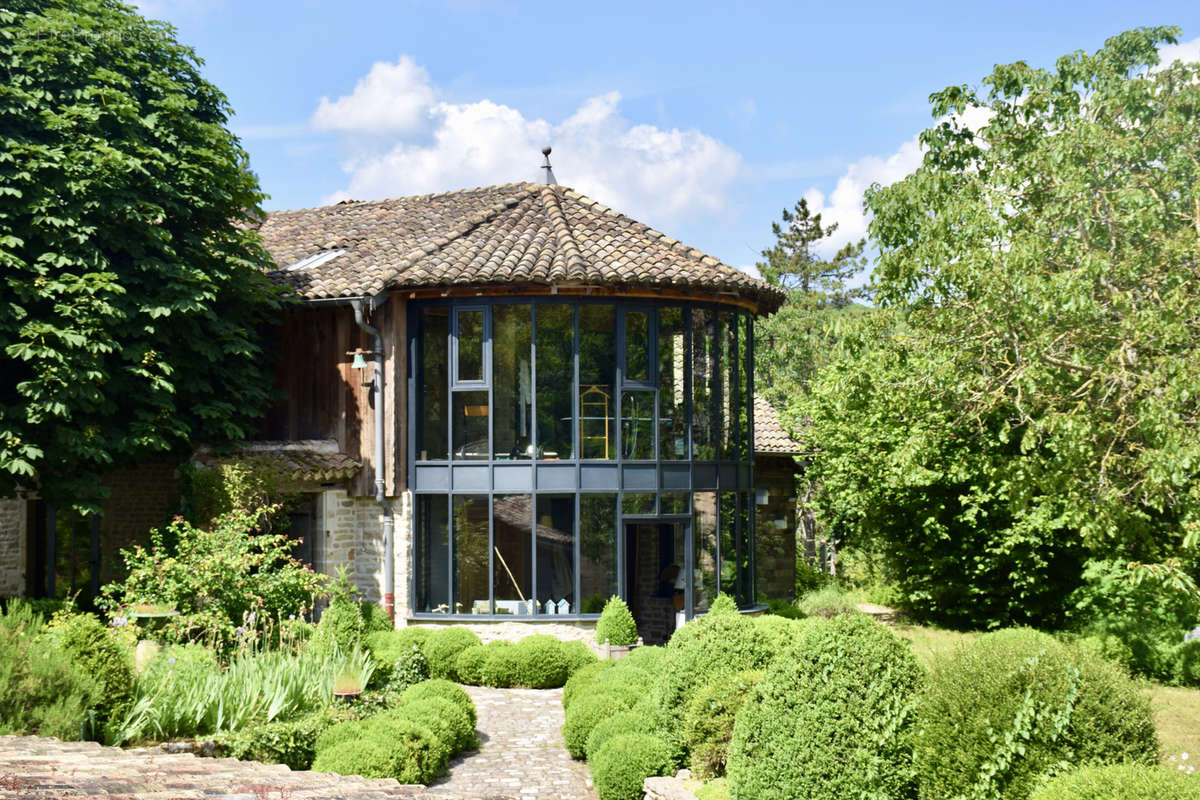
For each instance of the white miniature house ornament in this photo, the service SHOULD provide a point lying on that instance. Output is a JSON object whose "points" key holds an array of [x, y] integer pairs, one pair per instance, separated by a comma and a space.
{"points": [[550, 608], [564, 607]]}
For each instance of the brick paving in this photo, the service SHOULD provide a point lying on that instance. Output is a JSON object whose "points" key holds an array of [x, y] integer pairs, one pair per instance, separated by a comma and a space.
{"points": [[521, 754], [521, 757]]}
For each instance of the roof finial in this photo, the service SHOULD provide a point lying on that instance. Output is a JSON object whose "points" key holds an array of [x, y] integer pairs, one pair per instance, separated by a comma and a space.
{"points": [[546, 166]]}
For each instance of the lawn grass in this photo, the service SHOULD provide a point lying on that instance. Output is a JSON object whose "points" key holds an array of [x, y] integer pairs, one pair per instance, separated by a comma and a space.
{"points": [[1177, 720], [932, 644]]}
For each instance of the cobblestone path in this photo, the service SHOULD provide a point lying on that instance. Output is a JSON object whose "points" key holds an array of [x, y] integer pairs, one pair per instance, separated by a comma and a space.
{"points": [[521, 754], [521, 757]]}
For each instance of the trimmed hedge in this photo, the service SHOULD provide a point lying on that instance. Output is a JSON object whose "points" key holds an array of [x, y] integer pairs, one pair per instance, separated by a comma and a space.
{"points": [[469, 664], [536, 662], [830, 719], [375, 619], [578, 656], [708, 723], [582, 679], [1017, 704], [442, 648], [616, 625], [501, 667], [388, 748], [625, 722], [1120, 782], [293, 743], [625, 761], [444, 689], [541, 662], [584, 714], [445, 718]]}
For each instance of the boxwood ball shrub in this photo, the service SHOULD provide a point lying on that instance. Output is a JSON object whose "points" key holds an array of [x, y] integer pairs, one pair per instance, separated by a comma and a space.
{"points": [[616, 625], [442, 648], [625, 761], [1120, 782], [375, 619], [701, 651], [581, 679], [647, 657], [501, 668], [330, 737], [387, 748], [541, 662], [578, 656], [830, 719], [625, 722], [290, 742], [340, 627], [585, 714], [447, 721], [447, 690], [708, 723], [469, 664], [1017, 704]]}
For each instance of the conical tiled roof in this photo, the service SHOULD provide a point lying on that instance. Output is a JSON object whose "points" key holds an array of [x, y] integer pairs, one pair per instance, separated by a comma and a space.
{"points": [[521, 233]]}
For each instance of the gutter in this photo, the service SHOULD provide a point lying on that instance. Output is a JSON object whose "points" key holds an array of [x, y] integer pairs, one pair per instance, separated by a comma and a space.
{"points": [[389, 566]]}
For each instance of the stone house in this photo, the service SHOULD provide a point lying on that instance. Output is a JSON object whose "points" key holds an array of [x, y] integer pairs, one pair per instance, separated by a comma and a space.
{"points": [[498, 403]]}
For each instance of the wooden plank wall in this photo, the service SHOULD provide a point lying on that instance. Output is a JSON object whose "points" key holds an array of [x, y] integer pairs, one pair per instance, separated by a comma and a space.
{"points": [[324, 397]]}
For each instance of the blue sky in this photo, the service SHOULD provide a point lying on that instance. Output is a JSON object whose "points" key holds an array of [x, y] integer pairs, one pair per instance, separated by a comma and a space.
{"points": [[701, 119]]}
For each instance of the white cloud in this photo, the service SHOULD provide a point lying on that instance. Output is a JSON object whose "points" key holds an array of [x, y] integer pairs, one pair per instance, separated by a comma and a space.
{"points": [[1184, 51], [391, 99], [651, 173]]}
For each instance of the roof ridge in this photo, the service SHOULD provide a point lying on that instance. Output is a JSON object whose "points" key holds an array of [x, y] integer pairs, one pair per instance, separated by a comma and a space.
{"points": [[576, 265]]}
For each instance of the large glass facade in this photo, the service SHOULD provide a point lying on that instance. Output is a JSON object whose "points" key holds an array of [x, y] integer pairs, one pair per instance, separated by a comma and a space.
{"points": [[544, 428]]}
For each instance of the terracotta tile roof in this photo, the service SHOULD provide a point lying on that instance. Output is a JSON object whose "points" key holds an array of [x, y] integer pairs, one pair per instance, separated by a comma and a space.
{"points": [[310, 461], [523, 233], [769, 435]]}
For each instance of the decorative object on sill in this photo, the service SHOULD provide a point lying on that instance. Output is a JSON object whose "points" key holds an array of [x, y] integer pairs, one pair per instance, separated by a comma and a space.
{"points": [[564, 607], [550, 607]]}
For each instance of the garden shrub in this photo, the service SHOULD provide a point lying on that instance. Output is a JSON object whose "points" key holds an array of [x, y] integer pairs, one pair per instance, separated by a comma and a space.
{"points": [[1016, 704], [541, 662], [723, 604], [444, 689], [582, 678], [290, 742], [831, 718], [42, 690], [392, 646], [584, 714], [388, 748], [100, 653], [469, 664], [605, 729], [1120, 782], [501, 668], [701, 651], [616, 625], [828, 601], [779, 632], [227, 576], [188, 663], [442, 648], [782, 607], [448, 722], [646, 657], [708, 722], [375, 619], [624, 762], [340, 628], [349, 731], [578, 656]]}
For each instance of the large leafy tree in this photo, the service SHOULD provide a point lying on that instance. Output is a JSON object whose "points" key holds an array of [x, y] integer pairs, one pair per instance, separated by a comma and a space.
{"points": [[1037, 401], [132, 280]]}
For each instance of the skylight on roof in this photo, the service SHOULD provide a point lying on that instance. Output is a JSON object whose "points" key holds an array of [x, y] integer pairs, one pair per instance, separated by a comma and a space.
{"points": [[315, 260]]}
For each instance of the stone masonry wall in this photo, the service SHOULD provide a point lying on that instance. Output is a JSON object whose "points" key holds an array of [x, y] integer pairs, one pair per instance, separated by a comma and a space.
{"points": [[352, 536], [13, 520], [775, 547]]}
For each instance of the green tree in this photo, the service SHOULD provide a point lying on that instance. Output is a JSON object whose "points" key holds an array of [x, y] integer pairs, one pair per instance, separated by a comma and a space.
{"points": [[132, 277], [1036, 397]]}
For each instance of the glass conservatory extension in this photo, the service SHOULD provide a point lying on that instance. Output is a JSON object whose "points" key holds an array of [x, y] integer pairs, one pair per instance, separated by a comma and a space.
{"points": [[562, 451]]}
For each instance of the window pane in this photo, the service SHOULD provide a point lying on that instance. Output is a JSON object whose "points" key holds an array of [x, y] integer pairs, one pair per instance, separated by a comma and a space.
{"points": [[597, 550], [672, 408], [555, 377], [512, 381], [471, 425], [704, 532], [637, 503], [471, 554], [431, 554], [728, 539], [637, 346], [597, 377], [743, 445], [703, 443], [470, 345], [432, 380], [725, 366], [637, 424], [746, 595], [674, 502], [556, 550], [512, 564]]}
